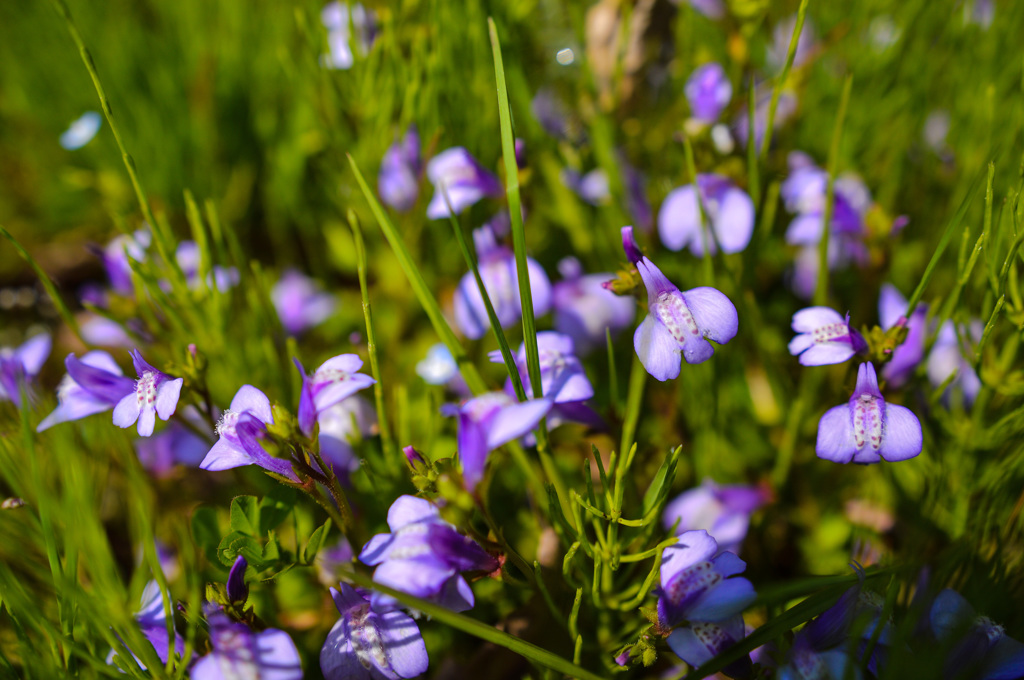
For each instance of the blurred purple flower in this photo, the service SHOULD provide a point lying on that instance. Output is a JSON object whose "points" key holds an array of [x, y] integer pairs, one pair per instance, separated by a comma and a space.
{"points": [[152, 620], [679, 324], [20, 365], [464, 179], [371, 645], [489, 421], [99, 330], [868, 430], [698, 642], [239, 431], [708, 91], [336, 17], [332, 559], [584, 308], [500, 276], [438, 367], [824, 337], [240, 653], [236, 588], [93, 384], [350, 419], [722, 511], [189, 257], [980, 12], [946, 358], [81, 131], [335, 380], [782, 34], [784, 110], [300, 302], [591, 187], [175, 445], [115, 256], [424, 556], [892, 310], [398, 182], [727, 207], [155, 394], [696, 584], [551, 113], [974, 642]]}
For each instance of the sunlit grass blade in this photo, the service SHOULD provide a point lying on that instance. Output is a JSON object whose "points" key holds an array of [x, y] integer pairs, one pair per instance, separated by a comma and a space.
{"points": [[478, 629], [780, 81], [821, 289]]}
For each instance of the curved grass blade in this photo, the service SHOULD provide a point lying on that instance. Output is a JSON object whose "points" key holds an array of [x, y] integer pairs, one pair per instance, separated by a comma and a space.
{"points": [[48, 285], [777, 88]]}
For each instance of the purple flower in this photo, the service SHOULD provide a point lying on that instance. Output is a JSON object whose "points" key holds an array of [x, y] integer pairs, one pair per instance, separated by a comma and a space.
{"points": [[489, 421], [868, 430], [980, 12], [824, 337], [438, 367], [335, 18], [975, 642], [424, 556], [115, 258], [697, 585], [698, 642], [240, 653], [155, 394], [782, 34], [398, 182], [892, 310], [591, 187], [300, 302], [99, 330], [81, 131], [464, 179], [152, 620], [335, 380], [727, 207], [807, 663], [500, 276], [368, 644], [584, 308], [946, 358], [93, 384], [18, 366], [722, 511], [708, 90], [785, 110], [239, 432], [175, 445], [636, 195], [189, 258], [236, 588], [332, 559], [679, 324], [551, 113], [340, 424]]}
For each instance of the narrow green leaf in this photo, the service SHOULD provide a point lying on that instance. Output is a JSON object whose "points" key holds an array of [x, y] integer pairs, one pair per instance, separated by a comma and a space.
{"points": [[781, 80], [821, 289], [48, 285], [316, 540], [245, 515]]}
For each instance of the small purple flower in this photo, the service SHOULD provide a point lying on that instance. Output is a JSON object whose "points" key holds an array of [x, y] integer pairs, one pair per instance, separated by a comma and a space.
{"points": [[782, 34], [679, 324], [824, 337], [980, 12], [335, 380], [636, 195], [236, 587], [18, 366], [708, 90], [175, 445], [727, 207], [335, 17], [300, 302], [975, 642], [155, 394], [81, 131], [239, 432], [489, 421], [189, 257], [785, 110], [240, 653], [462, 177], [398, 182], [438, 367], [152, 620], [370, 645], [698, 642], [946, 358], [892, 310], [551, 113], [115, 256], [101, 331], [93, 384], [332, 559], [868, 430], [807, 663], [584, 308], [722, 511], [500, 276], [591, 187], [349, 419], [804, 193], [424, 556], [696, 583]]}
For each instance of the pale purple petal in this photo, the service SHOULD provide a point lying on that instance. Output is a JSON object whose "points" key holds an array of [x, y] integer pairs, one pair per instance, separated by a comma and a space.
{"points": [[891, 306], [867, 381], [734, 224], [826, 353], [696, 349], [277, 656], [376, 549], [167, 397], [729, 564], [146, 422], [81, 405], [127, 411], [679, 221], [33, 353], [810, 318], [423, 576], [714, 313], [835, 435], [513, 421], [406, 651], [902, 438], [540, 287], [250, 399], [224, 455], [693, 547], [409, 509], [335, 392], [658, 351], [728, 598]]}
